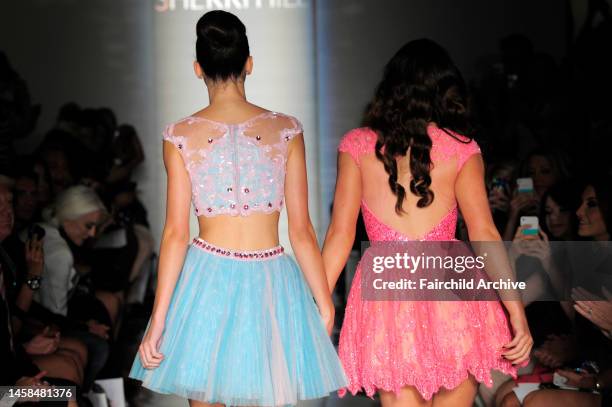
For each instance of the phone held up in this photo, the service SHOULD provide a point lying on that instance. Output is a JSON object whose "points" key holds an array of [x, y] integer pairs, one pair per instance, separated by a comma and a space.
{"points": [[524, 185], [36, 230], [532, 225]]}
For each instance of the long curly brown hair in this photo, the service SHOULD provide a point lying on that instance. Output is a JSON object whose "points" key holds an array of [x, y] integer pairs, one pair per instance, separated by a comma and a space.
{"points": [[420, 85]]}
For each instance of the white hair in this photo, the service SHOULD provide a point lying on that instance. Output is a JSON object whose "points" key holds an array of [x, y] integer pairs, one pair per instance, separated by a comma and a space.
{"points": [[73, 203]]}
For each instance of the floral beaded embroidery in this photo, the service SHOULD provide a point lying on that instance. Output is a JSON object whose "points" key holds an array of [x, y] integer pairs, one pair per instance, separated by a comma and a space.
{"points": [[238, 168], [357, 142]]}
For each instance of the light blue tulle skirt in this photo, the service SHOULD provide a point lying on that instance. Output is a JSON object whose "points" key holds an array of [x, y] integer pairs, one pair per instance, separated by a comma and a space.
{"points": [[242, 328]]}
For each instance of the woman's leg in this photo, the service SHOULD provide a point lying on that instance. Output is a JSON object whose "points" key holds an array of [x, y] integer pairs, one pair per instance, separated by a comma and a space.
{"points": [[98, 351], [407, 397], [461, 396], [509, 400], [60, 366], [74, 347], [505, 396]]}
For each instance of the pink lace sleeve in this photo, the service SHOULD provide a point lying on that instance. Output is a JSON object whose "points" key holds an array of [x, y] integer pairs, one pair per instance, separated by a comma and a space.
{"points": [[465, 151], [293, 131], [169, 135], [357, 142]]}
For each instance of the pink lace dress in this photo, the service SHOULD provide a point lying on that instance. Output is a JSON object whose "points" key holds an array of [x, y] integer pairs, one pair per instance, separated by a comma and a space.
{"points": [[426, 344]]}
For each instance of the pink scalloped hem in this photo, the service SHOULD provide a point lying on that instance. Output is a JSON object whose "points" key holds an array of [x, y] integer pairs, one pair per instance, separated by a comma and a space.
{"points": [[427, 386]]}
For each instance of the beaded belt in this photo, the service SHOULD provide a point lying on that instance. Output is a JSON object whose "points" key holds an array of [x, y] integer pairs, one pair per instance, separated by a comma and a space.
{"points": [[238, 254]]}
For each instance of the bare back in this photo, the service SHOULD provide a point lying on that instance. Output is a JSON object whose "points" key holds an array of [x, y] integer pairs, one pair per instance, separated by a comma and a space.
{"points": [[448, 155]]}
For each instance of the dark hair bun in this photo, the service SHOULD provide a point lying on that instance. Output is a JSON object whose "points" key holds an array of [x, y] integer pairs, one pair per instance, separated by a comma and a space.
{"points": [[222, 47]]}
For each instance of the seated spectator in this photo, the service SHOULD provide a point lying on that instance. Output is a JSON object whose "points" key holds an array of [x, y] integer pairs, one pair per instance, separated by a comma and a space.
{"points": [[39, 360], [587, 347], [83, 315]]}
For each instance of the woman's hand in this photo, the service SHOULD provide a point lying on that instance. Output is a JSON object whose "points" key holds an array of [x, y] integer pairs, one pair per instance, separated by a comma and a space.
{"points": [[596, 309], [517, 351], [521, 202], [328, 312], [150, 357], [539, 247], [34, 256], [520, 243], [44, 343], [99, 329], [34, 382]]}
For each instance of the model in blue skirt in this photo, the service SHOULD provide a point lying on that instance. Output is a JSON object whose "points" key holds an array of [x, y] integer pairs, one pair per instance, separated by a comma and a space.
{"points": [[235, 320]]}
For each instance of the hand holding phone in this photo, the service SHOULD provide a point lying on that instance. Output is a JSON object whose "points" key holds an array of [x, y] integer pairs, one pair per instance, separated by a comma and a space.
{"points": [[524, 185], [531, 225], [524, 199]]}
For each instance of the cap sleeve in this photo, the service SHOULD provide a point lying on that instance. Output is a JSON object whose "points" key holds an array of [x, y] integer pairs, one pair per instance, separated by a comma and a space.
{"points": [[168, 135], [294, 128], [357, 142], [465, 151]]}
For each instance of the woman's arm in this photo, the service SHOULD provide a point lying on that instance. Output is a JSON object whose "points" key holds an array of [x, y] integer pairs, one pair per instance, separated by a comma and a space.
{"points": [[175, 236], [175, 239], [34, 257], [471, 196], [341, 231], [301, 232]]}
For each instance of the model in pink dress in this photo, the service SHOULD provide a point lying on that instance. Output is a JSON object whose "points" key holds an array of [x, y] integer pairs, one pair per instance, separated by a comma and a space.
{"points": [[416, 352]]}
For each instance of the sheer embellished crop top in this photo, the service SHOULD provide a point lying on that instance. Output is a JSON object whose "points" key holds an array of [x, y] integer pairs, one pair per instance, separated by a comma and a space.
{"points": [[235, 169]]}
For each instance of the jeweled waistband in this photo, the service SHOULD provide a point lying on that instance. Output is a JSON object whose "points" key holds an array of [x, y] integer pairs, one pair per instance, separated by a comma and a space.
{"points": [[239, 254]]}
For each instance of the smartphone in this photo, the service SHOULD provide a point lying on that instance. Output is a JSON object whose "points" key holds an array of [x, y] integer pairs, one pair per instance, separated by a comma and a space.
{"points": [[36, 230], [533, 225], [524, 185]]}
